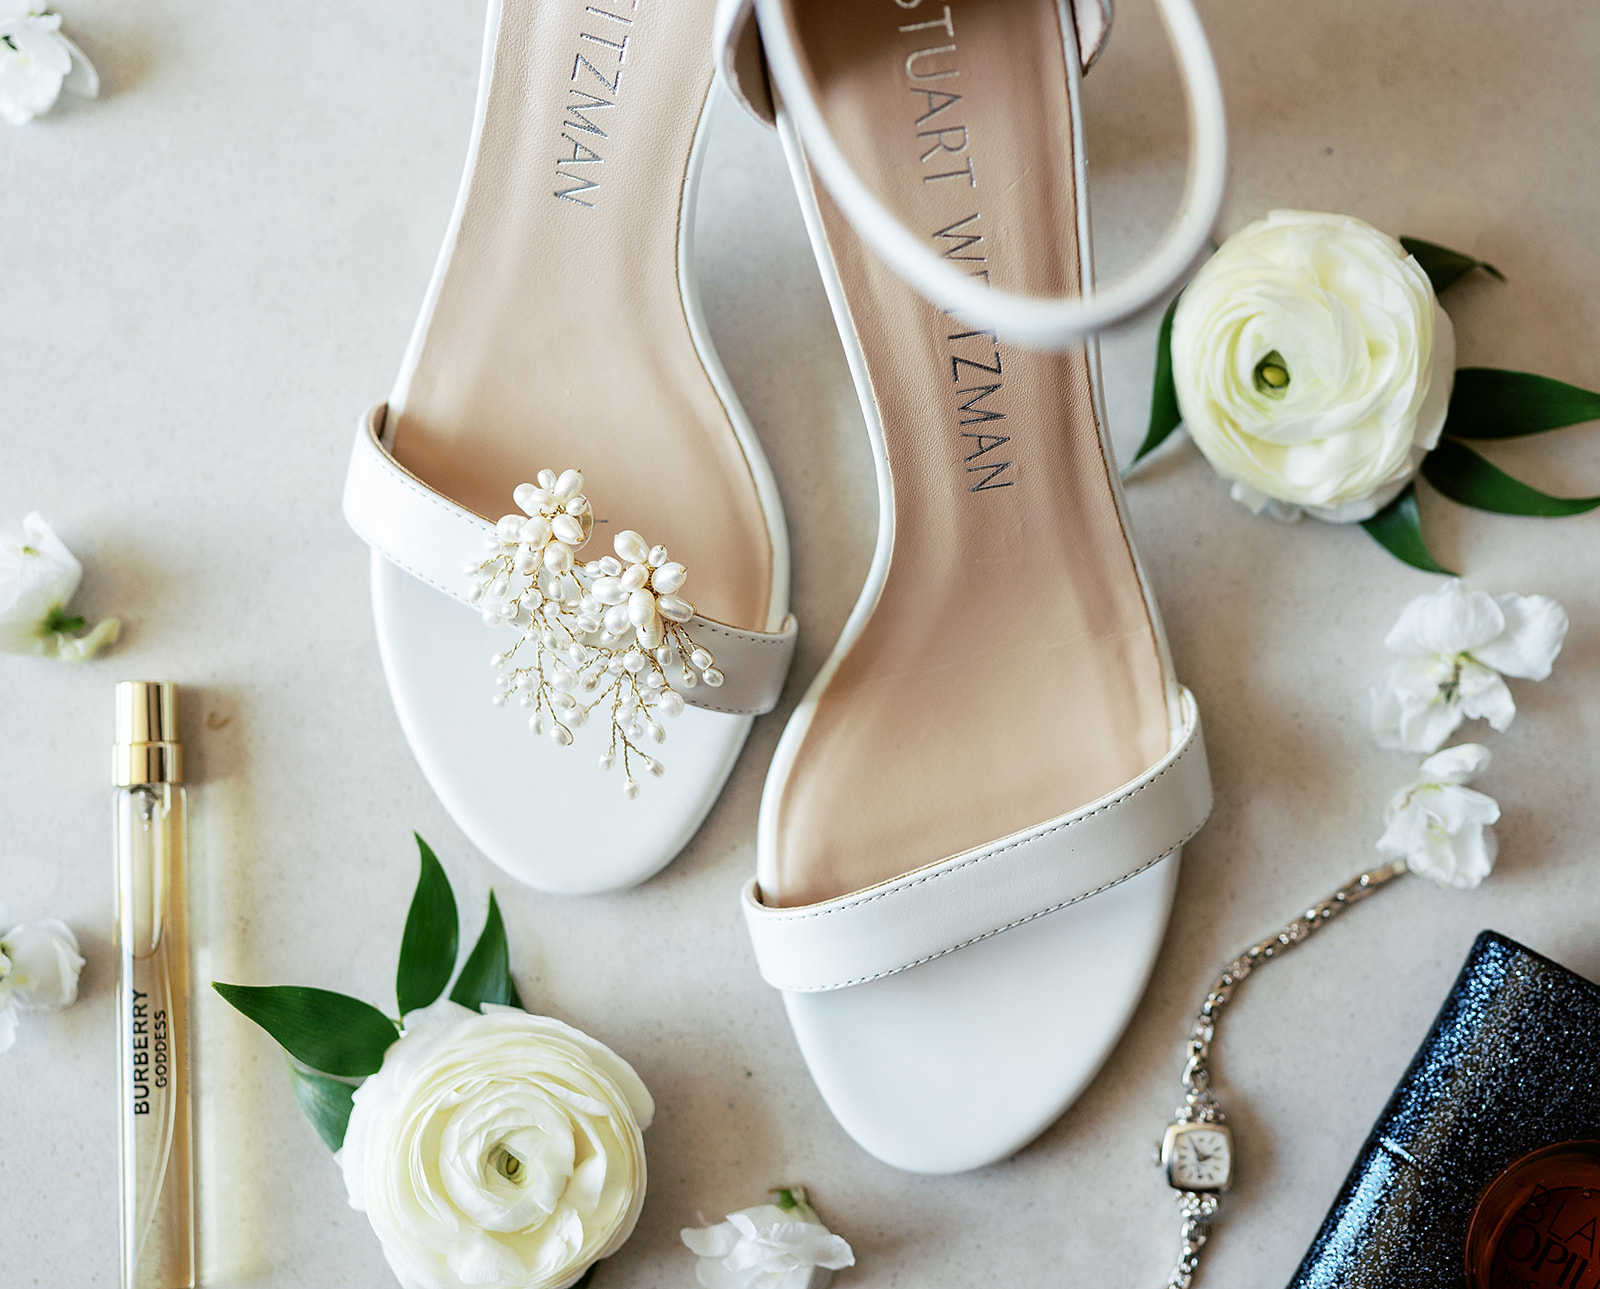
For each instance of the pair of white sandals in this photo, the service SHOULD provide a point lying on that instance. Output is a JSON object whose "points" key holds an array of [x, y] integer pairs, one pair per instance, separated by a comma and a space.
{"points": [[970, 832]]}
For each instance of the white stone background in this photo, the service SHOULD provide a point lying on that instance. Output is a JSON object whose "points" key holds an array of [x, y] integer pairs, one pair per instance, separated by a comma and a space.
{"points": [[208, 274]]}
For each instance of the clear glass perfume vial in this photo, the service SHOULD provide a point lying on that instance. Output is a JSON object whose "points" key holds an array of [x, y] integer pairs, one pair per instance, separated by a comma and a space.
{"points": [[150, 818]]}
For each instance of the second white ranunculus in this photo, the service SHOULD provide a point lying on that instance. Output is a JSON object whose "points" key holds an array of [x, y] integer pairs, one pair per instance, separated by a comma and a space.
{"points": [[1313, 365], [497, 1149]]}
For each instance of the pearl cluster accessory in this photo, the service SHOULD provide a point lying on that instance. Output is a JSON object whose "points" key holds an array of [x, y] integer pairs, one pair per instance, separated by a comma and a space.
{"points": [[601, 635]]}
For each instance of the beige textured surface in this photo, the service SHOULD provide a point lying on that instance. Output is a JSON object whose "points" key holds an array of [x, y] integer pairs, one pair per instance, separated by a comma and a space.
{"points": [[210, 273]]}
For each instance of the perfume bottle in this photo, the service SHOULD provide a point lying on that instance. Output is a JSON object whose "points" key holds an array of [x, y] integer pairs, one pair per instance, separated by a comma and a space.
{"points": [[153, 991]]}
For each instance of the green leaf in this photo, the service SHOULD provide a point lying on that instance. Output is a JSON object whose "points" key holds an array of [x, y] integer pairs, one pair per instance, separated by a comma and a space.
{"points": [[428, 949], [330, 1032], [1164, 414], [1462, 475], [1487, 403], [1398, 529], [486, 977], [325, 1102], [1445, 267]]}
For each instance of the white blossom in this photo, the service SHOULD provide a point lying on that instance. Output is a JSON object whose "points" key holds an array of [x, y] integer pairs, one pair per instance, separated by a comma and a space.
{"points": [[39, 966], [497, 1149], [38, 576], [37, 62], [1313, 365], [770, 1246], [1455, 646], [1440, 827]]}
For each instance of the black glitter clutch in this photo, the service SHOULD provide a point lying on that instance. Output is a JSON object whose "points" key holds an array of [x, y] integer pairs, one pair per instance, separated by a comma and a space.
{"points": [[1483, 1172]]}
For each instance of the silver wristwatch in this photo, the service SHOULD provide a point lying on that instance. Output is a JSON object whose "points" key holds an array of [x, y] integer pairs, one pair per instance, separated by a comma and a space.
{"points": [[1197, 1152]]}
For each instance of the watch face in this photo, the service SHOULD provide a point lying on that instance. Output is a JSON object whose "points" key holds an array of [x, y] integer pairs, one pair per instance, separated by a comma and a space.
{"points": [[1198, 1156]]}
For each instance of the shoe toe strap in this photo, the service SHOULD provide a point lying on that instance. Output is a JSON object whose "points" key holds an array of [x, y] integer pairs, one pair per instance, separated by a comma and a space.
{"points": [[936, 910], [433, 539]]}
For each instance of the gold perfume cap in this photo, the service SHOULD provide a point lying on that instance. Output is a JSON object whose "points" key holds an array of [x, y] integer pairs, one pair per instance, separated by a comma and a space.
{"points": [[147, 748]]}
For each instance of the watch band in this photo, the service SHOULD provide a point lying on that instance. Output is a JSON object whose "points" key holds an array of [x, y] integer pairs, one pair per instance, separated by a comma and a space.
{"points": [[1198, 1207]]}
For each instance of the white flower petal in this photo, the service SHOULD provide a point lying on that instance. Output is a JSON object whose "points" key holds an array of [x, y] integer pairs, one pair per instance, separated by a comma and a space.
{"points": [[1460, 764], [1407, 829], [1455, 808], [710, 1241], [1425, 726], [8, 1023], [45, 963], [1447, 621], [1484, 695], [1535, 627], [1403, 693]]}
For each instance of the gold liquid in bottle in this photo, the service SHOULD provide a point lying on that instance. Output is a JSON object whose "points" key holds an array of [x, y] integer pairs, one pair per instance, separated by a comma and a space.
{"points": [[153, 991], [1536, 1225]]}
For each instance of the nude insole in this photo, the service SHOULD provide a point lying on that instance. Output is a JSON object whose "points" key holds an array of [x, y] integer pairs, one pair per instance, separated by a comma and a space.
{"points": [[1010, 671], [558, 337]]}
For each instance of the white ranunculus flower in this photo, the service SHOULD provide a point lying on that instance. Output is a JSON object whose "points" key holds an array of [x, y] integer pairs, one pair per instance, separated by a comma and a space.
{"points": [[38, 576], [1313, 365], [37, 62], [1440, 827], [39, 966], [1455, 645], [768, 1247], [497, 1149]]}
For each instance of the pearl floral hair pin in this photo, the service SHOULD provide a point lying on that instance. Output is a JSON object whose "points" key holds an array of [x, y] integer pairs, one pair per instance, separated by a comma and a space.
{"points": [[609, 636]]}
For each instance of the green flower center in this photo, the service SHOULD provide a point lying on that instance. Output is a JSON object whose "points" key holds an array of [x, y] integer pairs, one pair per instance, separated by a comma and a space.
{"points": [[56, 622], [508, 1166], [1272, 375]]}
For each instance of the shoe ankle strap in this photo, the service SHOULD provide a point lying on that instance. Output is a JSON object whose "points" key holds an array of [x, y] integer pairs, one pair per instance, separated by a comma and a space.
{"points": [[1042, 322]]}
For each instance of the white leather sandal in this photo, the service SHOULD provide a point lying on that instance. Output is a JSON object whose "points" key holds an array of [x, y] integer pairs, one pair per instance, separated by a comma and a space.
{"points": [[562, 334], [970, 833]]}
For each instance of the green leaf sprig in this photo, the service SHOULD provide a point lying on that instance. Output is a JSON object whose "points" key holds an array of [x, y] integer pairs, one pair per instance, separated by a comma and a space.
{"points": [[332, 1041], [1485, 403]]}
